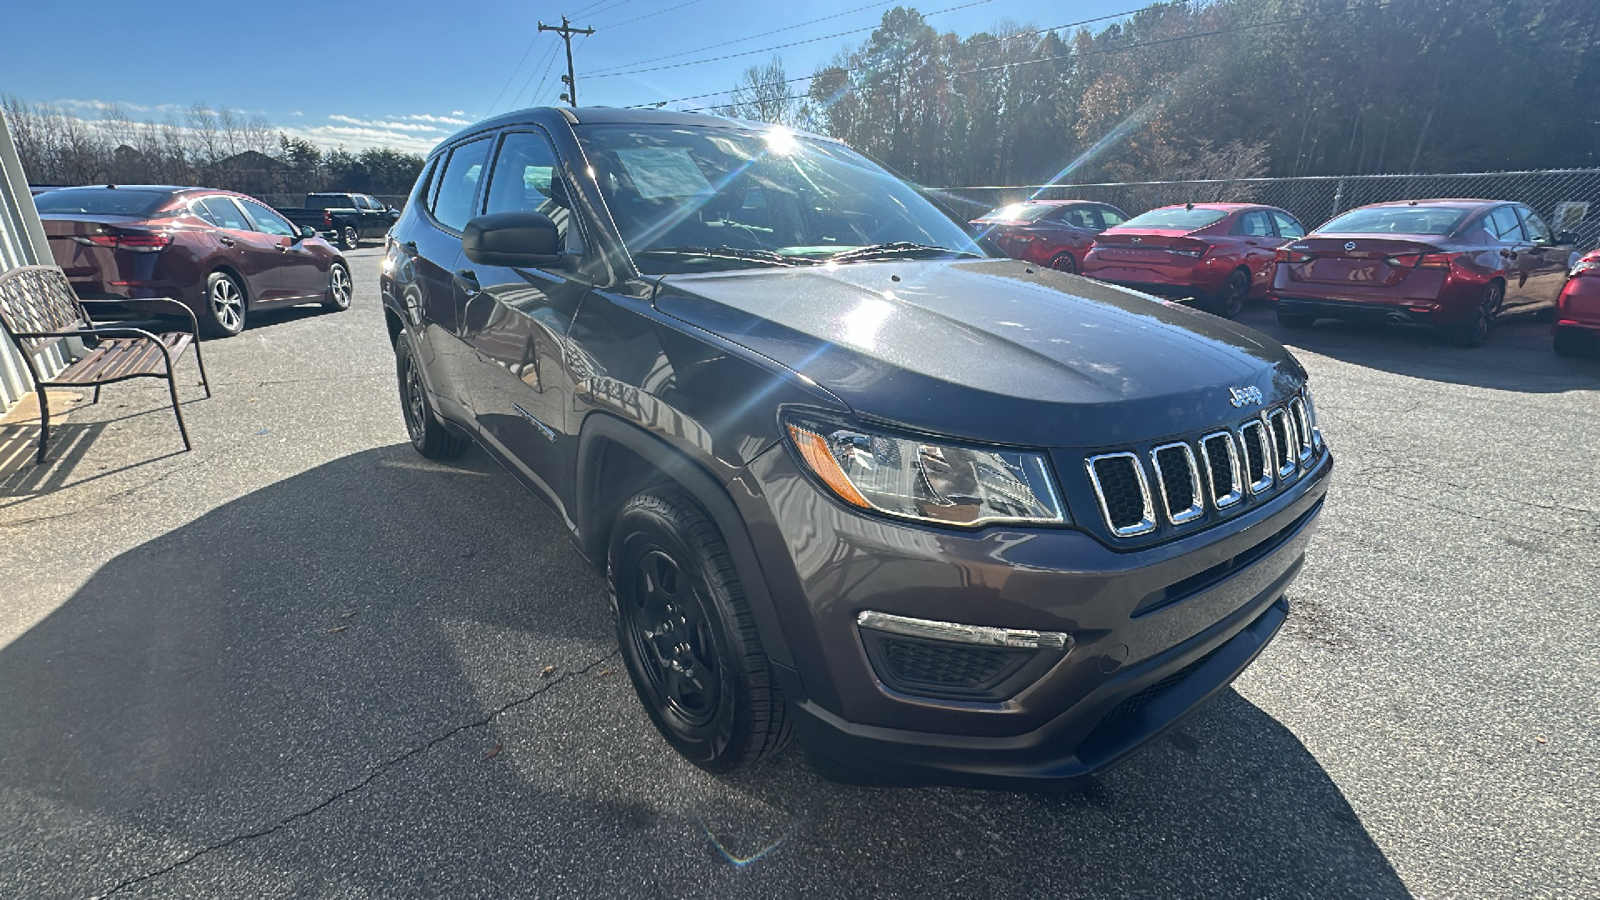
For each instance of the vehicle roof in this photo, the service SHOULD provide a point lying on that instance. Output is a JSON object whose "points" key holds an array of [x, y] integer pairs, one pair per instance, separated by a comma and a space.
{"points": [[610, 115], [169, 188], [1436, 201], [1225, 207]]}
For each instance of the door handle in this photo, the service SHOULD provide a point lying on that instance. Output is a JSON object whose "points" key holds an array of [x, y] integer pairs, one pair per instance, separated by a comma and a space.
{"points": [[410, 247], [226, 241], [468, 280]]}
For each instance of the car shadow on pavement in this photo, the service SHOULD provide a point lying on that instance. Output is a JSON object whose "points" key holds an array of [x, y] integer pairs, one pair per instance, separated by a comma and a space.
{"points": [[386, 676], [1518, 355]]}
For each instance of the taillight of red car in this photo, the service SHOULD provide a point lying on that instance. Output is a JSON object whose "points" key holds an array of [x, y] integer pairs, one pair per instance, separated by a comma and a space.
{"points": [[138, 242], [1424, 260], [1285, 255], [1587, 268], [1190, 247]]}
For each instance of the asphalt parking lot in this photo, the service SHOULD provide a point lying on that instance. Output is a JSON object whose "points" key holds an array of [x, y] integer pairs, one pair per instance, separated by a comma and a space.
{"points": [[303, 661]]}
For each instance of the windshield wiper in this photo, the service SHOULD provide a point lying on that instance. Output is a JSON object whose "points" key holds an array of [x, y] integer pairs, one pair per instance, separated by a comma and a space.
{"points": [[894, 249], [743, 255]]}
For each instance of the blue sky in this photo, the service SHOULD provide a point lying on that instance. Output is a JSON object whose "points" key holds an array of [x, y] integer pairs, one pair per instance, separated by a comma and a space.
{"points": [[406, 74]]}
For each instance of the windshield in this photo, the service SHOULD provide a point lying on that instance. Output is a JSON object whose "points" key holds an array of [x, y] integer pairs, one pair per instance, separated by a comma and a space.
{"points": [[1175, 217], [1397, 220], [1018, 212], [100, 201], [756, 198]]}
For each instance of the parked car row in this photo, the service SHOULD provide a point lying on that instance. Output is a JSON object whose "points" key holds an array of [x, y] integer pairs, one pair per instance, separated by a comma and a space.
{"points": [[222, 254], [1453, 265]]}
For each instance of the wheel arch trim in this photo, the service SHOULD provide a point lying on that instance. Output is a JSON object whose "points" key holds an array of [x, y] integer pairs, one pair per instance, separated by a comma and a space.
{"points": [[599, 432]]}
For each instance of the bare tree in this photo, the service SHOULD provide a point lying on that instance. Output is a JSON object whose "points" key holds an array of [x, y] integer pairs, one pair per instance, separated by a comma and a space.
{"points": [[763, 94]]}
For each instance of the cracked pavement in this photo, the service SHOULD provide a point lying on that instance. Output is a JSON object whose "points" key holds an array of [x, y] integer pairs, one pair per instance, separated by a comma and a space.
{"points": [[303, 661]]}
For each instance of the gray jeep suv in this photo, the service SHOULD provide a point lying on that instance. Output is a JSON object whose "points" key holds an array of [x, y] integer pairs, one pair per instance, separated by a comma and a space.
{"points": [[949, 517]]}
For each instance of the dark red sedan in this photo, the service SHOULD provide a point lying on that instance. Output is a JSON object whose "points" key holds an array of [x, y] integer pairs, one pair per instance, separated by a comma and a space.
{"points": [[1054, 233], [1218, 253], [1577, 328], [221, 254], [1452, 264]]}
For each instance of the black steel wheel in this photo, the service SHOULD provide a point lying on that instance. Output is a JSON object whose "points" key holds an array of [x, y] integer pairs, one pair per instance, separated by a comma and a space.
{"points": [[339, 288], [349, 238], [1229, 302], [687, 636], [428, 435], [225, 305], [1064, 262]]}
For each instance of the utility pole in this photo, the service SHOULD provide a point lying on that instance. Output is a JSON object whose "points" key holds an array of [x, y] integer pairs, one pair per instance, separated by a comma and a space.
{"points": [[566, 31]]}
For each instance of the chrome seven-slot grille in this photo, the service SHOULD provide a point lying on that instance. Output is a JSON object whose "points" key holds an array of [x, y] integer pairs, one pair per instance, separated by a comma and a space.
{"points": [[1181, 479]]}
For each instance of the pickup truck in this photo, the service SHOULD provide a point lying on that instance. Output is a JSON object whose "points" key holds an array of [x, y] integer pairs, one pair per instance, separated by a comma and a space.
{"points": [[344, 218]]}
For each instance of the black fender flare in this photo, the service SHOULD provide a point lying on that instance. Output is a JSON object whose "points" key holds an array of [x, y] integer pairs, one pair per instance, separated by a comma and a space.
{"points": [[674, 465]]}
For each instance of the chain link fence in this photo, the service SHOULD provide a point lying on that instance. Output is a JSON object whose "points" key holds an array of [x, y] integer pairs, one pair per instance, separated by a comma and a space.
{"points": [[277, 200], [1567, 199]]}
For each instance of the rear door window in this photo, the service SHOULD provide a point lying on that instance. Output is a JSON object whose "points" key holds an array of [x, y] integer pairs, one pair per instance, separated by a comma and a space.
{"points": [[1503, 226], [1110, 218], [1254, 224], [1287, 226], [1078, 217], [226, 213], [458, 184]]}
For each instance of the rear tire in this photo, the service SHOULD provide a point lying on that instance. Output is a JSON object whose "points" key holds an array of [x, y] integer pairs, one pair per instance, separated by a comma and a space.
{"points": [[338, 297], [1474, 331], [687, 636], [1065, 262], [1229, 302], [349, 238], [428, 435]]}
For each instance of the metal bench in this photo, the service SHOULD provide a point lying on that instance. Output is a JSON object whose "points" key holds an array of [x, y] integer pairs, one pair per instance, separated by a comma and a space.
{"points": [[40, 312]]}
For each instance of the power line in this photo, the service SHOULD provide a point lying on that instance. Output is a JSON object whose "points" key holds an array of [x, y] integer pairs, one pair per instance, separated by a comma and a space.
{"points": [[979, 44], [696, 62], [848, 12], [544, 76], [513, 76], [596, 12], [1029, 62], [649, 15]]}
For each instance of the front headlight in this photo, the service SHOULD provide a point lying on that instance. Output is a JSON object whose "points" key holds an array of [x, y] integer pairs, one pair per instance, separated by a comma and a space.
{"points": [[934, 482]]}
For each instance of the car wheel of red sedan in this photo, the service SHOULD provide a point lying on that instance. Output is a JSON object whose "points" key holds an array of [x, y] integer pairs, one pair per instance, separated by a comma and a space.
{"points": [[349, 239], [338, 288], [1064, 262], [1229, 302], [1474, 331], [226, 304]]}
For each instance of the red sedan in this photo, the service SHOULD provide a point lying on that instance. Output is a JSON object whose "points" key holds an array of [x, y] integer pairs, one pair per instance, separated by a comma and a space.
{"points": [[1218, 253], [1451, 264], [1578, 311], [221, 254], [1054, 233]]}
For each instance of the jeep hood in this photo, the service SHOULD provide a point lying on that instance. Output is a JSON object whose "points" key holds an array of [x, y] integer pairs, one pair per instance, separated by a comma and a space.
{"points": [[990, 350]]}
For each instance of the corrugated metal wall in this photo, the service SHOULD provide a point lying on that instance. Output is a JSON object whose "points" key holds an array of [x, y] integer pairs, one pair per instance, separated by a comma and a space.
{"points": [[22, 243]]}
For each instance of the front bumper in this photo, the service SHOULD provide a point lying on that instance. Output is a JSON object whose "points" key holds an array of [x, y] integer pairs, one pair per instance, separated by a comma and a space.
{"points": [[1132, 670]]}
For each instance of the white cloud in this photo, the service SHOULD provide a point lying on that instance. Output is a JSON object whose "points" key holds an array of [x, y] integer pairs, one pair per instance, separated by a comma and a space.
{"points": [[387, 126], [446, 120], [457, 112]]}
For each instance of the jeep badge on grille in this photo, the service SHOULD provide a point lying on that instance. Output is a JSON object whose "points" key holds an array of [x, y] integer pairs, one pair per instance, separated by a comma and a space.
{"points": [[1241, 396]]}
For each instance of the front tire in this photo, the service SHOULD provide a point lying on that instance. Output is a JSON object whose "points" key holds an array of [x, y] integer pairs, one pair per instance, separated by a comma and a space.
{"points": [[1229, 302], [225, 306], [339, 288], [349, 238], [428, 435], [687, 636]]}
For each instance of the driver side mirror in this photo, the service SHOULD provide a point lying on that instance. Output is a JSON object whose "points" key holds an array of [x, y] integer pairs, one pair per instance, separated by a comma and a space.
{"points": [[1566, 237], [306, 231], [521, 239]]}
